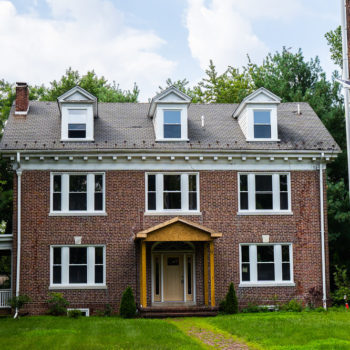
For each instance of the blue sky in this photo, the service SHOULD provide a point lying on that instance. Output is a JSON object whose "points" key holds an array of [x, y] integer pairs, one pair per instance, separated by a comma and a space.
{"points": [[148, 41]]}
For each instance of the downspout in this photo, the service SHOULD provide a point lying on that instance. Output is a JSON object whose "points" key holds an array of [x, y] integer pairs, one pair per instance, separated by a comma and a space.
{"points": [[324, 289], [18, 267], [345, 76]]}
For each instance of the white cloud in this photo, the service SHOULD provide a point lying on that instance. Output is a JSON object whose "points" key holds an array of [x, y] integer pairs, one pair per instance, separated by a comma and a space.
{"points": [[223, 30], [83, 34]]}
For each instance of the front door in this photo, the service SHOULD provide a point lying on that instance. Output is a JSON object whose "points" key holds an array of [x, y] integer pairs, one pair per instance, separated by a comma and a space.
{"points": [[173, 277]]}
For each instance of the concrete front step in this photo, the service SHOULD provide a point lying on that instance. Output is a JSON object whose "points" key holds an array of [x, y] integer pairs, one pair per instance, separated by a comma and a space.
{"points": [[179, 311]]}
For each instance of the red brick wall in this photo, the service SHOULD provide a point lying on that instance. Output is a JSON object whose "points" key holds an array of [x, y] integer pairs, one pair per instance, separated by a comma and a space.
{"points": [[125, 198]]}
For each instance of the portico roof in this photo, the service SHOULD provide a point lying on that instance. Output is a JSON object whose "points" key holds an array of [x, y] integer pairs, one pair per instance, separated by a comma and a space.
{"points": [[178, 229]]}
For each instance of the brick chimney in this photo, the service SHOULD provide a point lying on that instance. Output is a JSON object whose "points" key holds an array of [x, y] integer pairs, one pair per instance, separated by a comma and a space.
{"points": [[22, 98]]}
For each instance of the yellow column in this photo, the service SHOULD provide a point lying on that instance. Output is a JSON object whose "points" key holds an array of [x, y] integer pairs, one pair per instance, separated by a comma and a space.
{"points": [[206, 298], [143, 279], [212, 275]]}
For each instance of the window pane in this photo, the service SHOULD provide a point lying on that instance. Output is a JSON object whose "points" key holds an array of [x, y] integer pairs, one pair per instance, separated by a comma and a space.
{"points": [[98, 183], [189, 276], [172, 117], [192, 182], [244, 200], [98, 201], [245, 272], [266, 272], [57, 256], [172, 131], [57, 274], [245, 253], [151, 203], [98, 255], [192, 201], [263, 201], [57, 201], [151, 182], [172, 200], [283, 183], [265, 253], [157, 276], [286, 272], [77, 274], [261, 117], [284, 201], [172, 182], [263, 183], [77, 255], [99, 274], [57, 183], [262, 131], [77, 183], [77, 131], [285, 253], [77, 201], [243, 182]]}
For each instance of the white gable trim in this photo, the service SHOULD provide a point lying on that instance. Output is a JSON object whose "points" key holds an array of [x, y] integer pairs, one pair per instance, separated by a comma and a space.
{"points": [[75, 90]]}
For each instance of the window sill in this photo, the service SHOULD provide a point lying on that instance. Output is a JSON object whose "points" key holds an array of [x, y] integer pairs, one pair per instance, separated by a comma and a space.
{"points": [[171, 140], [265, 213], [76, 286], [267, 284], [70, 213], [76, 140], [169, 213], [263, 140]]}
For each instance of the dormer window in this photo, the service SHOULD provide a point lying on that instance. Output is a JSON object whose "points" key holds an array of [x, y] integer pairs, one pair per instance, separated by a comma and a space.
{"points": [[262, 124], [257, 116], [169, 111], [78, 109], [172, 124]]}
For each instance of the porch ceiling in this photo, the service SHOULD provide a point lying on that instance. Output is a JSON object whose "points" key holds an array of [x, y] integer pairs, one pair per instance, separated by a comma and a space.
{"points": [[178, 230]]}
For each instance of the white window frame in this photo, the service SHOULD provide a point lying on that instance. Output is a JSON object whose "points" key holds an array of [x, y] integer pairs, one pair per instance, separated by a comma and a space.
{"points": [[270, 124], [90, 187], [278, 282], [87, 311], [90, 268], [174, 110], [275, 195], [273, 122], [184, 195]]}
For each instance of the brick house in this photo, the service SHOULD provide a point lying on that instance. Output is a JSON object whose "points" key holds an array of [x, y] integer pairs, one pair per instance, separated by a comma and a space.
{"points": [[176, 200]]}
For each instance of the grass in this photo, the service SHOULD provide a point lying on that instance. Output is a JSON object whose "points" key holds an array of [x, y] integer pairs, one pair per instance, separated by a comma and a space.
{"points": [[277, 331], [45, 332], [302, 330]]}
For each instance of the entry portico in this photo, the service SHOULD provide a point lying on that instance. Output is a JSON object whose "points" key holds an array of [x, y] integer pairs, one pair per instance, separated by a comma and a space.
{"points": [[173, 262]]}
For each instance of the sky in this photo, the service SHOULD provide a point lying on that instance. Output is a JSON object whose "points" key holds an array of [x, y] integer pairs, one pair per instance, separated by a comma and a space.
{"points": [[148, 41]]}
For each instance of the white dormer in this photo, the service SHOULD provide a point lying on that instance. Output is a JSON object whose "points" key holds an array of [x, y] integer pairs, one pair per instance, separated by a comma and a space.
{"points": [[257, 116], [78, 109], [169, 112]]}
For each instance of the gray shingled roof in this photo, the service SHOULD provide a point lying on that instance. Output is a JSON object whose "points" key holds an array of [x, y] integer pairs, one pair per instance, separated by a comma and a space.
{"points": [[126, 126]]}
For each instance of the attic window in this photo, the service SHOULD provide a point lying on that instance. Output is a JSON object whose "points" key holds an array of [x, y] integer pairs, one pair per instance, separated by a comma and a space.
{"points": [[77, 131], [172, 124], [262, 124]]}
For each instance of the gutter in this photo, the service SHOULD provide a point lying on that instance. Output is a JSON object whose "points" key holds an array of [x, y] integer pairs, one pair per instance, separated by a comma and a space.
{"points": [[323, 251], [18, 267]]}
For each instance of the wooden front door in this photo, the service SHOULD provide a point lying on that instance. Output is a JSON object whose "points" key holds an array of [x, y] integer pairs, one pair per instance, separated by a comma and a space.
{"points": [[173, 277]]}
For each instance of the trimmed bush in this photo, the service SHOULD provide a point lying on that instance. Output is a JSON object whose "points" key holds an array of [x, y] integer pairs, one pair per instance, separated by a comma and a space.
{"points": [[230, 305], [74, 313], [127, 305], [57, 304]]}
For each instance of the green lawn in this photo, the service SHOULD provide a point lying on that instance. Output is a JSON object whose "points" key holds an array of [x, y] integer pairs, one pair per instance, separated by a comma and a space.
{"points": [[306, 330], [49, 333]]}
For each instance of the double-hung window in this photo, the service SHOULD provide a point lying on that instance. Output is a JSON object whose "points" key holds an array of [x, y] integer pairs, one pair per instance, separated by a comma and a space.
{"points": [[262, 124], [172, 124], [77, 193], [172, 193], [77, 266], [264, 192], [77, 118], [266, 263]]}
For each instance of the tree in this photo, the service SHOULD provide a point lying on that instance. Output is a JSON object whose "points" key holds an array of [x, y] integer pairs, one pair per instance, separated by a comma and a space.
{"points": [[334, 40], [231, 302]]}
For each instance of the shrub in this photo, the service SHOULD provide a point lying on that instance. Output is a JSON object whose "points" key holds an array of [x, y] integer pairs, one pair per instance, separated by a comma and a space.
{"points": [[127, 305], [231, 304], [292, 306], [19, 302], [57, 304], [252, 308], [342, 283], [74, 313], [107, 311], [314, 297]]}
